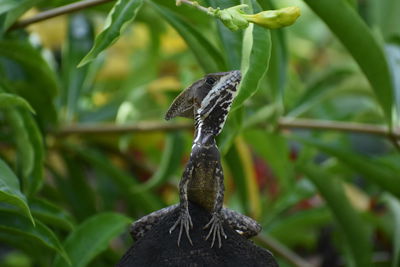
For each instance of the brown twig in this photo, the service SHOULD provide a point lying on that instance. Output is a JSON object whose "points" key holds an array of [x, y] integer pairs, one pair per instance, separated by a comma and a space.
{"points": [[58, 11], [48, 14], [288, 123], [282, 251], [284, 123]]}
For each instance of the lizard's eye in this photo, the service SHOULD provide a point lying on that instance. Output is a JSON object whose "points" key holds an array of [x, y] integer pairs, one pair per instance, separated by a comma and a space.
{"points": [[210, 80]]}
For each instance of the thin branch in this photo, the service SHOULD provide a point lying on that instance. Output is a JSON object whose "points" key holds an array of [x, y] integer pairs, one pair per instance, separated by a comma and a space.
{"points": [[51, 13], [195, 4], [281, 250], [288, 123], [284, 123], [58, 11]]}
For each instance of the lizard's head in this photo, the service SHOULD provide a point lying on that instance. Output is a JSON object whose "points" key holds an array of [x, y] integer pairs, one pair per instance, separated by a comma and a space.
{"points": [[208, 100]]}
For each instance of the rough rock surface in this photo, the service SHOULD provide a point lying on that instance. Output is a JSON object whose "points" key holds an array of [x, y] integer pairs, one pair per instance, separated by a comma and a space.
{"points": [[159, 248]]}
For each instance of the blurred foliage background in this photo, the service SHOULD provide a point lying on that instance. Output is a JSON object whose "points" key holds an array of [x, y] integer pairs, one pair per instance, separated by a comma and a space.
{"points": [[310, 150]]}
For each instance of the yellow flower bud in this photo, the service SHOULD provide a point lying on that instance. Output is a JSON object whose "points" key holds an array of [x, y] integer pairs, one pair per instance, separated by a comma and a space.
{"points": [[274, 19]]}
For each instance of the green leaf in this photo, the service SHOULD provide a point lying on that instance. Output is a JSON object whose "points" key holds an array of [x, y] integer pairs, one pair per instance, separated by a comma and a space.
{"points": [[393, 56], [11, 100], [255, 59], [394, 207], [127, 184], [76, 81], [51, 214], [92, 237], [318, 88], [15, 224], [35, 178], [25, 151], [76, 190], [355, 230], [376, 172], [354, 34], [231, 41], [273, 148], [29, 76], [170, 162], [6, 5], [11, 10], [10, 191], [122, 13], [207, 55]]}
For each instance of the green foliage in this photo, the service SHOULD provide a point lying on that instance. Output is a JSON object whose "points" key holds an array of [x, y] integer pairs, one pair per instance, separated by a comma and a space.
{"points": [[315, 188]]}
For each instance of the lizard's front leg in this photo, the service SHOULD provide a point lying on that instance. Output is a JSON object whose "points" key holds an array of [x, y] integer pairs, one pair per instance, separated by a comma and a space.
{"points": [[184, 219], [215, 223]]}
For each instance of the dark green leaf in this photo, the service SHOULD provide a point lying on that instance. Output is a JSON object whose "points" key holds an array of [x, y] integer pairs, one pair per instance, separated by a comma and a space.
{"points": [[35, 178], [51, 214], [123, 12], [126, 183], [318, 88], [92, 237], [10, 190], [373, 170], [30, 76], [76, 81], [275, 151], [365, 49], [25, 151], [356, 231], [170, 161], [13, 223]]}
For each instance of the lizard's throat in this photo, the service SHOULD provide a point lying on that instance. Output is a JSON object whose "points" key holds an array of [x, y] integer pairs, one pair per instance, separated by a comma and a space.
{"points": [[204, 136]]}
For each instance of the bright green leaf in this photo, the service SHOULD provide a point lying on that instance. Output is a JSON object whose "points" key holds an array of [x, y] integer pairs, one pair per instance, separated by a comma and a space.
{"points": [[10, 190], [11, 100], [17, 225], [255, 59], [348, 26], [123, 12], [92, 237]]}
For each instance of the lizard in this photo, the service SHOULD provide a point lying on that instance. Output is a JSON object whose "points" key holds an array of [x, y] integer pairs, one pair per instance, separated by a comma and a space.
{"points": [[208, 101]]}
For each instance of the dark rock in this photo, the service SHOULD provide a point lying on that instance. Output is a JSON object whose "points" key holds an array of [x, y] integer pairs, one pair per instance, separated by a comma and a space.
{"points": [[159, 248]]}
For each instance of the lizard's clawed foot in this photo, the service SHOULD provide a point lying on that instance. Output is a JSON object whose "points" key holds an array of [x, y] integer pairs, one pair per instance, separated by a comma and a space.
{"points": [[185, 222], [216, 229]]}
